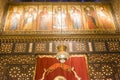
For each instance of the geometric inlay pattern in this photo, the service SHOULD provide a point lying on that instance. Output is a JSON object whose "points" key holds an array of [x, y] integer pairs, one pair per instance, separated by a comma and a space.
{"points": [[20, 72], [104, 71], [20, 47], [103, 57], [118, 74], [113, 46], [15, 59], [1, 71], [40, 47], [6, 47], [99, 46], [11, 66], [100, 67], [71, 47], [80, 47]]}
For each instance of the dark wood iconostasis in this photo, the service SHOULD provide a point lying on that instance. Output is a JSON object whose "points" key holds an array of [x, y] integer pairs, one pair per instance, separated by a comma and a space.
{"points": [[33, 30]]}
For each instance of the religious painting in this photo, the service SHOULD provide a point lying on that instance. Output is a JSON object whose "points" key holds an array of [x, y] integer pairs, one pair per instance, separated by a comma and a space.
{"points": [[14, 18], [90, 17], [49, 68], [1, 11], [58, 17], [44, 17], [105, 17], [29, 18], [75, 15]]}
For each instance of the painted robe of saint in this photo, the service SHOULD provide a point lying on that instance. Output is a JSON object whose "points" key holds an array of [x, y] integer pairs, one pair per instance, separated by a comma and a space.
{"points": [[60, 19], [106, 22], [75, 17], [14, 19], [29, 19], [90, 18], [1, 14], [43, 19]]}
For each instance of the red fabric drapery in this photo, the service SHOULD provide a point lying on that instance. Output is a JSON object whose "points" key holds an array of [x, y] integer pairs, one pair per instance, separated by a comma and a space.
{"points": [[48, 68]]}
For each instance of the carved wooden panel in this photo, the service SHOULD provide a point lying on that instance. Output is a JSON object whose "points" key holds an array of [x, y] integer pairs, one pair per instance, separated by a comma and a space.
{"points": [[49, 47], [80, 47], [17, 66], [20, 71], [104, 66], [6, 47], [40, 47], [99, 46], [20, 47], [113, 46], [102, 71]]}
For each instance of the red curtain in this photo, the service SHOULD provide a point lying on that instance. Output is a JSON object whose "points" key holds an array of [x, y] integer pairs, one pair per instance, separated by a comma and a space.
{"points": [[48, 68]]}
